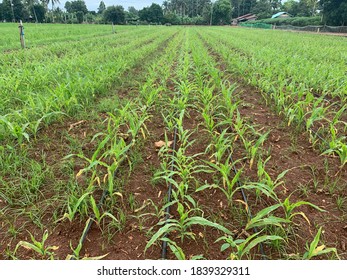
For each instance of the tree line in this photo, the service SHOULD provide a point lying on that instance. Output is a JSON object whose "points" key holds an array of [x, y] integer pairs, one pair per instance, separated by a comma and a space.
{"points": [[202, 12]]}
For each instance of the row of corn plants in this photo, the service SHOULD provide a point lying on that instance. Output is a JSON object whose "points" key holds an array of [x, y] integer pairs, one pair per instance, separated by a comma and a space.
{"points": [[149, 92], [218, 105], [180, 168], [297, 100]]}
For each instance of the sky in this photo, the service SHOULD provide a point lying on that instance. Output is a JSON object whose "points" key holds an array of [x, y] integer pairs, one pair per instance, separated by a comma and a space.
{"points": [[93, 5]]}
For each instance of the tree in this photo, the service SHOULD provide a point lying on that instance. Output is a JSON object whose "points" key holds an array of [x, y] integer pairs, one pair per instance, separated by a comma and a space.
{"points": [[102, 7], [133, 11], [13, 12], [171, 18], [297, 8], [40, 12], [153, 14], [114, 14], [67, 6], [312, 5], [131, 15], [29, 7], [334, 12], [242, 7], [76, 6], [221, 12], [190, 8], [262, 9]]}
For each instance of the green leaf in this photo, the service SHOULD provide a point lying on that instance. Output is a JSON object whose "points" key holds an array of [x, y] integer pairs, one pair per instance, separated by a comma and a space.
{"points": [[265, 211], [260, 187], [258, 240], [272, 220], [203, 222], [299, 203], [178, 252], [206, 186], [75, 207], [110, 216], [95, 208], [314, 243], [28, 246], [163, 230], [224, 247]]}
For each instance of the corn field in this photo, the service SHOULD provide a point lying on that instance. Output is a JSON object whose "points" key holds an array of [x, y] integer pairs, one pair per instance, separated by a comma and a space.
{"points": [[164, 142]]}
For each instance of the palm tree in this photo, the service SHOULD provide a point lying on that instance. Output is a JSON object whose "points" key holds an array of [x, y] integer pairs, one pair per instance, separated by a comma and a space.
{"points": [[31, 7], [52, 2]]}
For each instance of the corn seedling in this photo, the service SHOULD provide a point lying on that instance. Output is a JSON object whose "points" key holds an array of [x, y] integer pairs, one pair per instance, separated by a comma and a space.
{"points": [[178, 252], [38, 246], [97, 215], [242, 247], [313, 250], [183, 225], [289, 209], [74, 206]]}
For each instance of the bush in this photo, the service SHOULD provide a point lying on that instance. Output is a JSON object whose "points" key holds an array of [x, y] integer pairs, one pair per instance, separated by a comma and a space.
{"points": [[295, 21]]}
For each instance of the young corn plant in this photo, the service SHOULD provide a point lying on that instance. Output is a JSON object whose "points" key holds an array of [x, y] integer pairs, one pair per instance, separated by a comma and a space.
{"points": [[221, 144], [264, 176], [75, 205], [94, 161], [76, 251], [97, 215], [136, 123], [109, 160], [240, 128], [313, 250], [242, 247], [16, 130], [265, 218], [229, 179], [38, 247], [253, 147], [289, 208], [336, 146], [182, 225], [317, 114], [178, 252]]}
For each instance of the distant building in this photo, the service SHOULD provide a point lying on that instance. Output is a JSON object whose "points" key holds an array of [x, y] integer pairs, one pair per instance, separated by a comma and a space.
{"points": [[281, 15], [247, 17]]}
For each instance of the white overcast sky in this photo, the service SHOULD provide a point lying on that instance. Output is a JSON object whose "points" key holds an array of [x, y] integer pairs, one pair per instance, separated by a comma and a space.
{"points": [[94, 4]]}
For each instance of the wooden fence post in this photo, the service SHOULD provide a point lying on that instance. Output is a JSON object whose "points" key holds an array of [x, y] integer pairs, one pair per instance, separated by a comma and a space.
{"points": [[21, 34]]}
